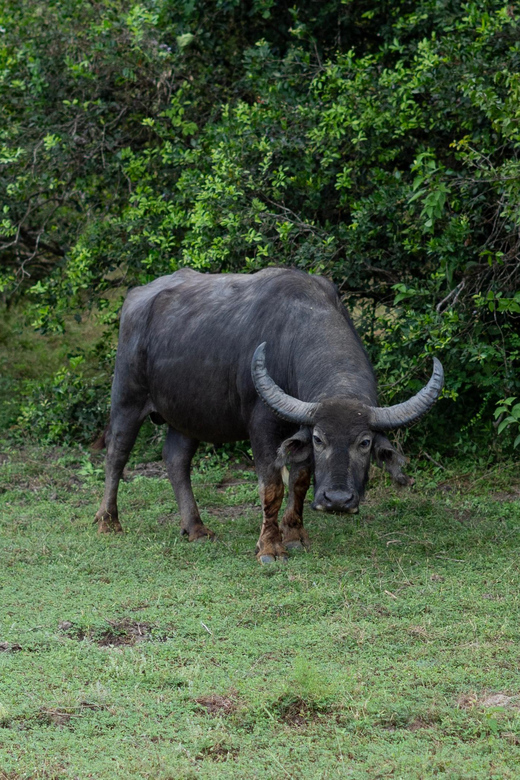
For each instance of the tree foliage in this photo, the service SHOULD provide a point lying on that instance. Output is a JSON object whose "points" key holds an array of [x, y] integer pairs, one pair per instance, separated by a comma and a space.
{"points": [[376, 143]]}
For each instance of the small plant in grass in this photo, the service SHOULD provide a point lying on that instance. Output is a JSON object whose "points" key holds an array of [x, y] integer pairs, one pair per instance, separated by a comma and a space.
{"points": [[4, 716], [307, 693], [511, 410], [89, 470]]}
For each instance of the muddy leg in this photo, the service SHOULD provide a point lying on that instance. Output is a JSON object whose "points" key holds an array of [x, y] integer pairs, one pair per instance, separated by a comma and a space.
{"points": [[120, 438], [265, 443], [294, 534], [270, 546], [177, 452]]}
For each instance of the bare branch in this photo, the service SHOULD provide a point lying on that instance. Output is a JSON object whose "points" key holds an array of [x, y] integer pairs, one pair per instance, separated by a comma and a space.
{"points": [[455, 292]]}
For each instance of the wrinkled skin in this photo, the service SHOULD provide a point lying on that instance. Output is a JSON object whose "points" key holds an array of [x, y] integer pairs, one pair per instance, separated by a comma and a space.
{"points": [[184, 357]]}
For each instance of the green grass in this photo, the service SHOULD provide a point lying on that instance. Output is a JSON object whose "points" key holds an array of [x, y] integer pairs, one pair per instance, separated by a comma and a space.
{"points": [[390, 650]]}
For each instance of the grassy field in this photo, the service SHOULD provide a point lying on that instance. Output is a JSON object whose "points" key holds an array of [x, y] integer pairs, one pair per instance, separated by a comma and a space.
{"points": [[392, 649]]}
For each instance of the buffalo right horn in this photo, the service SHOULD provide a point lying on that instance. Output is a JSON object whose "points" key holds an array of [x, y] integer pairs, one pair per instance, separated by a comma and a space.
{"points": [[387, 418], [283, 405]]}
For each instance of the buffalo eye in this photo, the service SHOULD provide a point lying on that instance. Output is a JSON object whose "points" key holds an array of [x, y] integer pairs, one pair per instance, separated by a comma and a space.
{"points": [[365, 444], [317, 441]]}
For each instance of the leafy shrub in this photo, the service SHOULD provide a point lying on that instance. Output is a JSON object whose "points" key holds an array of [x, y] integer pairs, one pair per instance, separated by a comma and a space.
{"points": [[69, 407], [508, 415], [375, 143]]}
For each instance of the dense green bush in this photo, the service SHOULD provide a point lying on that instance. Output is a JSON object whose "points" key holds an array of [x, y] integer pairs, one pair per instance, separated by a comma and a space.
{"points": [[70, 407], [374, 143]]}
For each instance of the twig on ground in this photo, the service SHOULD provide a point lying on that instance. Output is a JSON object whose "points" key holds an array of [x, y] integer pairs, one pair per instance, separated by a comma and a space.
{"points": [[432, 460]]}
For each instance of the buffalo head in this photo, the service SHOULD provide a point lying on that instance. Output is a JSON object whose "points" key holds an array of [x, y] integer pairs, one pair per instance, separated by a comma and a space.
{"points": [[340, 435]]}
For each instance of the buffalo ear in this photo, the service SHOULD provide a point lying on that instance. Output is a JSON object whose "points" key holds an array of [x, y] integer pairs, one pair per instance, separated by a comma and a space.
{"points": [[387, 456], [296, 449]]}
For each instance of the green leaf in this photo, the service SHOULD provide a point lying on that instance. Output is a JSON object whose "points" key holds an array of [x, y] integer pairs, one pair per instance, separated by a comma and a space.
{"points": [[185, 40]]}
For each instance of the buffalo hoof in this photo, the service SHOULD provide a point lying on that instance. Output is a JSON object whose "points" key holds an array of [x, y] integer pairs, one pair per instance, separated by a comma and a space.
{"points": [[294, 545], [109, 525], [296, 538], [206, 538], [198, 534], [267, 559], [270, 551]]}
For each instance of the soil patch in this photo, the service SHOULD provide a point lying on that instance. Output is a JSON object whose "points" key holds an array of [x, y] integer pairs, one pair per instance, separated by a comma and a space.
{"points": [[155, 470], [418, 632], [124, 632], [487, 700], [6, 647], [65, 716], [418, 723], [56, 717], [505, 497], [218, 752], [297, 712], [230, 512], [218, 705], [118, 633], [467, 517]]}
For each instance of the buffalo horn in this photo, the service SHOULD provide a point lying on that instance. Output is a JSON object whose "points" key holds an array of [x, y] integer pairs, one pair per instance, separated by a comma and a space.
{"points": [[283, 405], [387, 418]]}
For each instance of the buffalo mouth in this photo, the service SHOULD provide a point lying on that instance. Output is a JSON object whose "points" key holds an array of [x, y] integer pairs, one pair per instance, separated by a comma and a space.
{"points": [[336, 502]]}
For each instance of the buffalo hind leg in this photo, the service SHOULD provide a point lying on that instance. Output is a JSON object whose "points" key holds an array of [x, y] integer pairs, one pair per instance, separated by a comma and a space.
{"points": [[120, 438], [177, 453], [294, 534]]}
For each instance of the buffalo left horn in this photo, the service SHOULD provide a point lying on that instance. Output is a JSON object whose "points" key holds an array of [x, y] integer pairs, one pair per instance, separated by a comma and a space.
{"points": [[387, 418], [283, 405]]}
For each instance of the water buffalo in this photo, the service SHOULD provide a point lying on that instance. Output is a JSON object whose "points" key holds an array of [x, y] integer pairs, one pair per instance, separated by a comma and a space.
{"points": [[210, 354]]}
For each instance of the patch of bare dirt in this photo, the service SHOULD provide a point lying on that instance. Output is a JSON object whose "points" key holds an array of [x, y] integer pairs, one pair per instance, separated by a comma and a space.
{"points": [[419, 723], [56, 717], [467, 517], [505, 497], [218, 705], [487, 700], [118, 632], [418, 632], [7, 647], [511, 737], [65, 716], [297, 712], [218, 752], [123, 632], [461, 483], [154, 469]]}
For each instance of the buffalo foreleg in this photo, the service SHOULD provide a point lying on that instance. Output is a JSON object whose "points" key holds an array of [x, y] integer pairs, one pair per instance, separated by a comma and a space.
{"points": [[294, 534], [178, 452], [120, 438], [270, 545], [265, 442]]}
